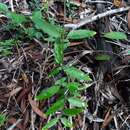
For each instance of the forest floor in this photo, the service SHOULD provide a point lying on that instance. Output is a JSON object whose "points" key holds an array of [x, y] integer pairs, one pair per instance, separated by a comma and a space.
{"points": [[84, 66]]}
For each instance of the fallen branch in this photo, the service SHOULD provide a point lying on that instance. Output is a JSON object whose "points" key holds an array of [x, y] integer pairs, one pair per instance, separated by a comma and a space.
{"points": [[14, 125], [90, 19], [98, 1]]}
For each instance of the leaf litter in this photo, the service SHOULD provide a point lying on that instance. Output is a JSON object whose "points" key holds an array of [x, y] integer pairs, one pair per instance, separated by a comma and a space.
{"points": [[24, 73]]}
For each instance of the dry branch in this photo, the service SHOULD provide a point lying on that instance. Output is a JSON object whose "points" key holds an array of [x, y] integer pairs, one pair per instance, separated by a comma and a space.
{"points": [[90, 19]]}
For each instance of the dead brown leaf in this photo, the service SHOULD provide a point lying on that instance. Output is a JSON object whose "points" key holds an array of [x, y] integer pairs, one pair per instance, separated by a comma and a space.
{"points": [[12, 120], [35, 107], [23, 93], [108, 120], [25, 78], [128, 19], [23, 105], [117, 3], [75, 43], [26, 118], [13, 92]]}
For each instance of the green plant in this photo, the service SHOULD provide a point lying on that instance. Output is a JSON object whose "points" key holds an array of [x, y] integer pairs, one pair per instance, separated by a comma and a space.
{"points": [[115, 35], [6, 45], [3, 119], [67, 89], [69, 101], [35, 26]]}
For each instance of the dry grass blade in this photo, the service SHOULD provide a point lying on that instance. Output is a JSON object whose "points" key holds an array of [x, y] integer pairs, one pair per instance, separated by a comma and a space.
{"points": [[13, 92]]}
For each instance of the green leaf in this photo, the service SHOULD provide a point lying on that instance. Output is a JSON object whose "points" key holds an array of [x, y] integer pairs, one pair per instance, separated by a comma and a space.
{"points": [[73, 86], [46, 27], [61, 81], [103, 57], [128, 52], [116, 35], [3, 118], [76, 102], [47, 93], [3, 7], [30, 31], [6, 52], [55, 107], [80, 34], [50, 39], [85, 86], [66, 122], [37, 14], [55, 71], [16, 18], [66, 43], [50, 124], [72, 111], [59, 51], [75, 73], [8, 43]]}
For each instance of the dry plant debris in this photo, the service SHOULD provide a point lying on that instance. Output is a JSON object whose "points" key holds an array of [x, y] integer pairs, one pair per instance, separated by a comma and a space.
{"points": [[64, 65]]}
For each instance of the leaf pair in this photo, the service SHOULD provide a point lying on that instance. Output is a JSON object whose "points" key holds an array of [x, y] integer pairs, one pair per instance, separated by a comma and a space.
{"points": [[54, 121], [76, 73], [55, 107], [50, 124], [53, 31], [82, 34], [75, 102], [40, 23], [64, 120], [73, 35], [72, 72]]}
